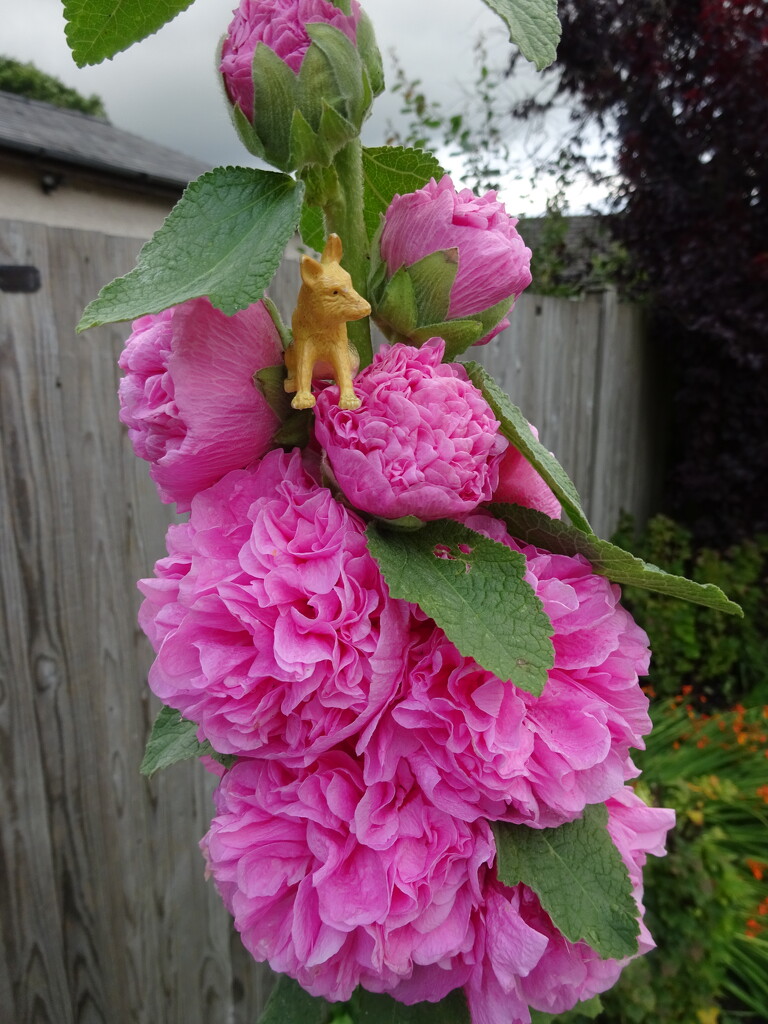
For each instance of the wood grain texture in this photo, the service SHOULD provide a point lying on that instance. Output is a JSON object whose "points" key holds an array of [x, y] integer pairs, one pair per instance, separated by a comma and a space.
{"points": [[104, 912], [582, 372]]}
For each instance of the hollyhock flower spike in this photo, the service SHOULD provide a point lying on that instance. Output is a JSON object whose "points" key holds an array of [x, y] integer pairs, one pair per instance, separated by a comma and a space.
{"points": [[300, 75], [423, 443], [188, 397], [447, 263]]}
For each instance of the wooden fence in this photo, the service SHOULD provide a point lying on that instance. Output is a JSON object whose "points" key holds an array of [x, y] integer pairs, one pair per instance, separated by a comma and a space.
{"points": [[104, 912]]}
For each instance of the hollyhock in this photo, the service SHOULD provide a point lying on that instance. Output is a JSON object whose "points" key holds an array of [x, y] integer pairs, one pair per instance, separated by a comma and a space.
{"points": [[280, 25], [557, 973], [520, 484], [273, 627], [423, 443], [481, 747], [301, 76], [493, 261], [338, 884], [188, 397]]}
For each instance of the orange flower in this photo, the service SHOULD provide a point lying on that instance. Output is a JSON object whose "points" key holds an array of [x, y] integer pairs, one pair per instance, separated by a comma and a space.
{"points": [[762, 792], [756, 867], [753, 928]]}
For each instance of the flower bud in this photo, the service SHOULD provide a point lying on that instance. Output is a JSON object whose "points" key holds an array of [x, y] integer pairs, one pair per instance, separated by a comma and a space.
{"points": [[301, 76], [447, 264]]}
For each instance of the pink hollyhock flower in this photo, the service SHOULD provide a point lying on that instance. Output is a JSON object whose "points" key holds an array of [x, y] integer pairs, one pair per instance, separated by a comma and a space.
{"points": [[424, 441], [541, 968], [494, 262], [520, 484], [188, 397], [338, 884], [479, 746], [280, 25], [272, 624]]}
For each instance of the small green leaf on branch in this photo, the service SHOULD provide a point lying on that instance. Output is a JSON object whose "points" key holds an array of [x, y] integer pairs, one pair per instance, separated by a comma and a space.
{"points": [[372, 1008], [533, 25], [390, 171], [174, 739], [290, 1004], [515, 427], [607, 559], [101, 28], [474, 589], [579, 876], [224, 239]]}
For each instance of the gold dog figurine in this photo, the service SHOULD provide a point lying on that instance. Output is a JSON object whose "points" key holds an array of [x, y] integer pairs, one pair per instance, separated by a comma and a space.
{"points": [[320, 346]]}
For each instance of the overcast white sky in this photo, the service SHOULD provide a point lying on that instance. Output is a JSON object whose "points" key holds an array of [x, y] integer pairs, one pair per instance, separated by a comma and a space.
{"points": [[165, 88]]}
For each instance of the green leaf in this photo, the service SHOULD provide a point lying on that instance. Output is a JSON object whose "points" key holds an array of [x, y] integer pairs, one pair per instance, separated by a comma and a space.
{"points": [[432, 278], [290, 1004], [389, 171], [224, 239], [269, 381], [457, 335], [515, 428], [533, 25], [397, 307], [312, 227], [101, 28], [579, 877], [174, 739], [274, 103], [533, 527], [372, 1008], [474, 589], [589, 1010]]}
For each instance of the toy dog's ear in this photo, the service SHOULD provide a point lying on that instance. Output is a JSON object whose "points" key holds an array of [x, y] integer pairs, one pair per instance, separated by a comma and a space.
{"points": [[333, 250], [310, 269]]}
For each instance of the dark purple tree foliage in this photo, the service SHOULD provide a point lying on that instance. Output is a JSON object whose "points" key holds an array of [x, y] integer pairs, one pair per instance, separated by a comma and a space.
{"points": [[683, 85]]}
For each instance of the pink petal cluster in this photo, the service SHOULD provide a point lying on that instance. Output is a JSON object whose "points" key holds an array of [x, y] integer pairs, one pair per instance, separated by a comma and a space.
{"points": [[480, 747], [494, 262], [188, 397], [339, 884], [280, 25], [273, 627], [564, 973], [520, 484], [423, 443]]}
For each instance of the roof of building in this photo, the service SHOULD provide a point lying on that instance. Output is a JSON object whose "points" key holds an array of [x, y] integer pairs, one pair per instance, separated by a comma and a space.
{"points": [[68, 137]]}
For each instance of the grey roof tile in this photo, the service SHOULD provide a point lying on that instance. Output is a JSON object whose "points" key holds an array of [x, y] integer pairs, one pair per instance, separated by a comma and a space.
{"points": [[40, 129]]}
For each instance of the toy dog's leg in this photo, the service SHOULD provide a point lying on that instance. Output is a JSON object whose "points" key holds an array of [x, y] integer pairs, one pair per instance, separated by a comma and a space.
{"points": [[289, 384], [305, 363], [341, 357]]}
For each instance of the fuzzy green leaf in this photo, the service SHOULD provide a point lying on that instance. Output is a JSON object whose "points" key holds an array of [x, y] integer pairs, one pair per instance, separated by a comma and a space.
{"points": [[224, 239], [174, 739], [389, 171], [101, 28], [290, 1004], [533, 25], [589, 1010], [515, 427], [474, 589], [533, 527], [372, 1008], [312, 227], [432, 278], [579, 877]]}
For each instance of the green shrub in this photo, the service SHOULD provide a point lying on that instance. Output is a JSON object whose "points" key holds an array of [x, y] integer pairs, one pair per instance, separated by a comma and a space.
{"points": [[722, 657]]}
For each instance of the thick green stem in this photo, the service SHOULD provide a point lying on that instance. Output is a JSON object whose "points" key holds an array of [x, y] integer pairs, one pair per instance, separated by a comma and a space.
{"points": [[344, 215]]}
